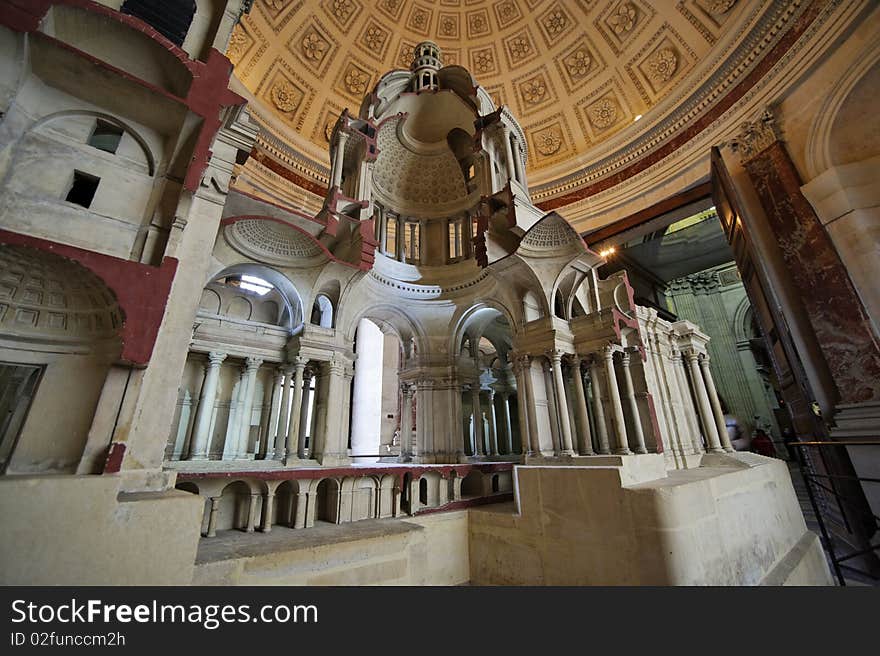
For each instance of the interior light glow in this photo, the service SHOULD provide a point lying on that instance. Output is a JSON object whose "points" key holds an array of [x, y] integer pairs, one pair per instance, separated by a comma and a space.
{"points": [[638, 116], [255, 284], [606, 252]]}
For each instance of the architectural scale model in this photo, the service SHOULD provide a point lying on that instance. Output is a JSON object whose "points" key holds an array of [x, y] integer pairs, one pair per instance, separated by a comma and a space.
{"points": [[223, 362]]}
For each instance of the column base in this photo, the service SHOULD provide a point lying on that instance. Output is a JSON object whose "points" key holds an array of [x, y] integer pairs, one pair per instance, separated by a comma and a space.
{"points": [[623, 452]]}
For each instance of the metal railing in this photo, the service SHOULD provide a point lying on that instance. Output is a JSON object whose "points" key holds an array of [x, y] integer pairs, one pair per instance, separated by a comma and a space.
{"points": [[842, 511]]}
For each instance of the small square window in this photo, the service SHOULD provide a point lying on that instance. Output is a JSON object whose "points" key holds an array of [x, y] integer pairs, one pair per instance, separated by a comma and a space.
{"points": [[105, 136], [83, 189]]}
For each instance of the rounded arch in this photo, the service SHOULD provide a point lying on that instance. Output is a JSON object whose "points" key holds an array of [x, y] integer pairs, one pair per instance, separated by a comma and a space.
{"points": [[57, 300], [470, 322], [390, 319], [565, 291], [533, 306], [293, 302], [109, 118], [743, 322], [323, 313], [820, 150], [188, 486]]}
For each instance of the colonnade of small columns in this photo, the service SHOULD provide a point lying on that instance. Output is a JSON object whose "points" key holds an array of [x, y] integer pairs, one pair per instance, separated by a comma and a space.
{"points": [[391, 493], [294, 401], [494, 406], [584, 391]]}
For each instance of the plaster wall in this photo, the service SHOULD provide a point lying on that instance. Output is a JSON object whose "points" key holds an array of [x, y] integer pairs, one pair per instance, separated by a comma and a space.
{"points": [[108, 538], [729, 522], [53, 442]]}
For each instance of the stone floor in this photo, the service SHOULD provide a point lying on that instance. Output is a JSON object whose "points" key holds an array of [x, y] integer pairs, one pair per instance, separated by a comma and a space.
{"points": [[234, 543]]}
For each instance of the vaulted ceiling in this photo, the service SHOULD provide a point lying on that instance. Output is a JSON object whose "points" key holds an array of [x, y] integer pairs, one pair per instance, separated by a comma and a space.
{"points": [[574, 72]]}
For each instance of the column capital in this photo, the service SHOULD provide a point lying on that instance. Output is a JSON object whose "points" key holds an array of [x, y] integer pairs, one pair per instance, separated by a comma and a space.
{"points": [[624, 359], [704, 359], [252, 364], [300, 361], [575, 359], [524, 361], [555, 355], [607, 351], [690, 354], [215, 358]]}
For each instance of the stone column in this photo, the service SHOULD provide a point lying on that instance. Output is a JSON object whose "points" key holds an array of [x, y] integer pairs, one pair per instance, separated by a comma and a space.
{"points": [[402, 227], [319, 375], [205, 411], [598, 410], [508, 152], [299, 517], [686, 401], [616, 405], [252, 365], [284, 423], [552, 412], [835, 312], [585, 437], [508, 427], [293, 434], [268, 509], [478, 419], [493, 424], [252, 513], [366, 403], [304, 413], [521, 401], [212, 518], [274, 412], [338, 159], [561, 404], [534, 444], [713, 444], [334, 439], [633, 403], [518, 167], [715, 403], [406, 422]]}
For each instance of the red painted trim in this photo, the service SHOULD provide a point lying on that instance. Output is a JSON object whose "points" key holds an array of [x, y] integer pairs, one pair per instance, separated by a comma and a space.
{"points": [[115, 456], [311, 473], [141, 290], [691, 131]]}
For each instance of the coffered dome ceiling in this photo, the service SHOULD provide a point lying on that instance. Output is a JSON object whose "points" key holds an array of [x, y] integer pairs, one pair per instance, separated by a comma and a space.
{"points": [[575, 73]]}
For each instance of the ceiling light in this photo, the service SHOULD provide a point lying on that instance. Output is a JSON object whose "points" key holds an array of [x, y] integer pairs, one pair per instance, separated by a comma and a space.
{"points": [[638, 116], [606, 252]]}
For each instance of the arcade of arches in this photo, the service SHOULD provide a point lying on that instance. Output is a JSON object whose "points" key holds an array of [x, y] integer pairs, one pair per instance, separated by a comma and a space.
{"points": [[497, 280]]}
